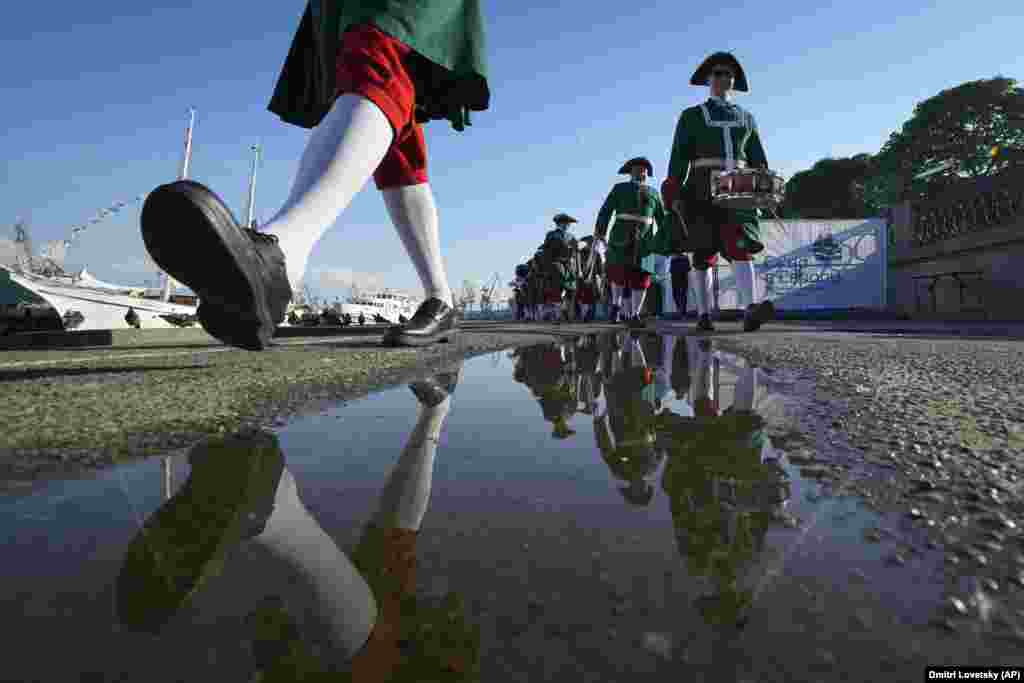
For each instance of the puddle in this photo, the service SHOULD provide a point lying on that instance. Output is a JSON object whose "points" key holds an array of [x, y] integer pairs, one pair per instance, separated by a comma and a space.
{"points": [[608, 509]]}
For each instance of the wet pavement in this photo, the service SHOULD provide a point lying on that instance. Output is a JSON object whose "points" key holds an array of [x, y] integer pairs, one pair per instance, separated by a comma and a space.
{"points": [[620, 507]]}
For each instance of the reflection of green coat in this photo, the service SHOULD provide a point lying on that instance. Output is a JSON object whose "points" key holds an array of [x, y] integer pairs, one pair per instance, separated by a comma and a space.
{"points": [[721, 497], [449, 69], [631, 240], [714, 131]]}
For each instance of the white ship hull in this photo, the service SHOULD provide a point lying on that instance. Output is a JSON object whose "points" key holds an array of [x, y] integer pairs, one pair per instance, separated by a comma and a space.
{"points": [[387, 305], [103, 308], [391, 315]]}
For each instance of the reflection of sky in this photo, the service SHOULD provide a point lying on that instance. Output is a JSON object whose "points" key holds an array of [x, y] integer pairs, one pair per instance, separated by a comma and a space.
{"points": [[496, 454]]}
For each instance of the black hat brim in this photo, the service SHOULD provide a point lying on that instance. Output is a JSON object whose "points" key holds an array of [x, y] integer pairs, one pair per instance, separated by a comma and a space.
{"points": [[703, 73], [633, 162]]}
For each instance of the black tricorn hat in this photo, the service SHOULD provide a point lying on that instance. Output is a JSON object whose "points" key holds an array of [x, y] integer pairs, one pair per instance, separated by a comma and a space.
{"points": [[703, 72], [637, 160], [564, 218], [635, 495]]}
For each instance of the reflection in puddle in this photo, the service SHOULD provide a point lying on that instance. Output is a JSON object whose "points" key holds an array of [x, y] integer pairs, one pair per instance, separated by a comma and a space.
{"points": [[643, 524]]}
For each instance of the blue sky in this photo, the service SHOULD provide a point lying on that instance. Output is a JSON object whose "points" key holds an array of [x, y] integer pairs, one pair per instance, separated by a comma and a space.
{"points": [[96, 97]]}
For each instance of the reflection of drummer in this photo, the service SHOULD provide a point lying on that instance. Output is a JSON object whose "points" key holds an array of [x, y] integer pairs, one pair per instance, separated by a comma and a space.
{"points": [[625, 434], [717, 135]]}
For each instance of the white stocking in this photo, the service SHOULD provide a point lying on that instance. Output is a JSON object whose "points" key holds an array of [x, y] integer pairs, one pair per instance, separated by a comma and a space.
{"points": [[341, 155], [414, 214], [636, 354], [403, 502], [745, 283], [701, 281], [616, 295], [340, 596], [701, 385], [638, 300]]}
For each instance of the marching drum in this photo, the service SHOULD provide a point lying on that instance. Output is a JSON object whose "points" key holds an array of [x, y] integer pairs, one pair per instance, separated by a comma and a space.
{"points": [[747, 188]]}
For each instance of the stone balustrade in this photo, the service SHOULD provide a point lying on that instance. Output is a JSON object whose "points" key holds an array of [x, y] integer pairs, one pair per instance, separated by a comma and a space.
{"points": [[980, 205]]}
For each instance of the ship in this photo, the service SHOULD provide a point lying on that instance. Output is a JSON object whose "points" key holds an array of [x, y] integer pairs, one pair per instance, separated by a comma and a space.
{"points": [[380, 306], [82, 302]]}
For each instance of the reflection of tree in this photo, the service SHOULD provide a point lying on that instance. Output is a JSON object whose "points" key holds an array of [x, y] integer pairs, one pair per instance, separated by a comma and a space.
{"points": [[723, 480], [723, 496]]}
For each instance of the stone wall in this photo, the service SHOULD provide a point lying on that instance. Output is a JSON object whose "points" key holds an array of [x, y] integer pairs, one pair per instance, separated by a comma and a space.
{"points": [[978, 227]]}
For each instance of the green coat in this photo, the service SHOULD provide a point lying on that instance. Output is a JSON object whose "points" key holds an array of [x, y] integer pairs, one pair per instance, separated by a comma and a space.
{"points": [[449, 71], [631, 240], [714, 130]]}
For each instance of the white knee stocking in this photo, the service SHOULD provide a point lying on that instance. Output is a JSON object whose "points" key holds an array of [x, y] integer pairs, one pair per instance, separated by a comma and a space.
{"points": [[414, 214], [340, 596], [616, 295], [701, 281], [638, 300], [403, 502], [341, 155], [745, 283]]}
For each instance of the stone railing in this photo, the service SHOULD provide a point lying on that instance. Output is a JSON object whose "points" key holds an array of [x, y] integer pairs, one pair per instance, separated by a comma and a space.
{"points": [[979, 205]]}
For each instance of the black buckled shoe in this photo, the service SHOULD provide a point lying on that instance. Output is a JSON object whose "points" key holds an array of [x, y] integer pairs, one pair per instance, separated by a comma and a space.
{"points": [[434, 321], [758, 314], [704, 323], [433, 390], [428, 391], [238, 273]]}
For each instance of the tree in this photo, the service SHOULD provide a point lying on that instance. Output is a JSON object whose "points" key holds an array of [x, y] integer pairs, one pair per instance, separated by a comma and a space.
{"points": [[832, 188], [977, 128]]}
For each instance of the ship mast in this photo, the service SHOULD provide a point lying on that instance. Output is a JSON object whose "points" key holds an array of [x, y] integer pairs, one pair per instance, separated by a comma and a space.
{"points": [[169, 283], [250, 219], [187, 159]]}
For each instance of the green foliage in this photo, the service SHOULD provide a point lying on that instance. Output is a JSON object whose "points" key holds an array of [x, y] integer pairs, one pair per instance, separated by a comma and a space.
{"points": [[960, 126], [832, 188], [977, 128]]}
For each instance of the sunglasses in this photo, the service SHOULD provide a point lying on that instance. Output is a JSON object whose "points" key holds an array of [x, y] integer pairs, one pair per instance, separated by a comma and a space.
{"points": [[722, 73]]}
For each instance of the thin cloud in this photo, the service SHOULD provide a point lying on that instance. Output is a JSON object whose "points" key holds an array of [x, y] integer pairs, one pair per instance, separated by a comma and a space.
{"points": [[343, 278]]}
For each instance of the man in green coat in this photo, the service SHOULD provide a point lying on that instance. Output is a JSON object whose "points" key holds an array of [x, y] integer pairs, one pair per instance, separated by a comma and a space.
{"points": [[636, 209], [712, 136], [560, 259], [365, 76]]}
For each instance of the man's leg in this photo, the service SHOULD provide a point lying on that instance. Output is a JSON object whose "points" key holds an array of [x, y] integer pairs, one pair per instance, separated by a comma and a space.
{"points": [[639, 282], [314, 573], [702, 385], [340, 156], [617, 277], [680, 282], [700, 278], [242, 277], [662, 265], [410, 203], [754, 312]]}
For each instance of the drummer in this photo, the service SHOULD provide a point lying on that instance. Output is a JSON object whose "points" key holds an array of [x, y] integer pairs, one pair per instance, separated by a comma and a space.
{"points": [[717, 135]]}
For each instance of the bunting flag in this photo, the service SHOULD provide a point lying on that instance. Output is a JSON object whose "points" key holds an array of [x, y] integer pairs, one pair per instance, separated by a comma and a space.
{"points": [[104, 213]]}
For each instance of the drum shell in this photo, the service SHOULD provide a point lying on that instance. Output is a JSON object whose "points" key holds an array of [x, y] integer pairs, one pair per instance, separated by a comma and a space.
{"points": [[746, 189]]}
